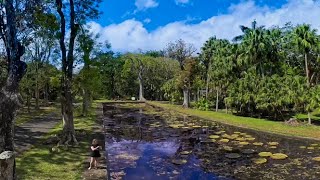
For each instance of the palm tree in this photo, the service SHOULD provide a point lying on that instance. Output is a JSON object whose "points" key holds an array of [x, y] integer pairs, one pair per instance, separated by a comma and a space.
{"points": [[207, 54], [253, 44], [305, 40]]}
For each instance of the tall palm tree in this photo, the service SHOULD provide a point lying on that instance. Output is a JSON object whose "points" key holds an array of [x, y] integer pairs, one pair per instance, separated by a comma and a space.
{"points": [[207, 54], [305, 40], [253, 45]]}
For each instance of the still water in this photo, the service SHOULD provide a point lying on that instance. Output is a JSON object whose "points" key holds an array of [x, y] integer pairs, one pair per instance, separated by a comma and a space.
{"points": [[145, 142]]}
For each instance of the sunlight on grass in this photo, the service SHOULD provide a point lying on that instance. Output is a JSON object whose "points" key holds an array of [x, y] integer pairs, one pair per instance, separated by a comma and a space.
{"points": [[25, 116], [40, 163]]}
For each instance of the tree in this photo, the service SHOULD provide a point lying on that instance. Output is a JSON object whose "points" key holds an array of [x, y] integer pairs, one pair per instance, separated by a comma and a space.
{"points": [[206, 56], [10, 99], [254, 46], [181, 51], [88, 76], [79, 12], [137, 63], [305, 40]]}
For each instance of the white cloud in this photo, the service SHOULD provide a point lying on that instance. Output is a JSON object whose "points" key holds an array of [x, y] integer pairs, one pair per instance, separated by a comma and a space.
{"points": [[147, 20], [182, 2], [131, 34], [145, 4]]}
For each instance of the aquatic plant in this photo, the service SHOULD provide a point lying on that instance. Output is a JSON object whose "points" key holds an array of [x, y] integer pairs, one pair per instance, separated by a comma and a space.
{"points": [[224, 140], [265, 154], [258, 143], [233, 156], [259, 160], [279, 156], [273, 143]]}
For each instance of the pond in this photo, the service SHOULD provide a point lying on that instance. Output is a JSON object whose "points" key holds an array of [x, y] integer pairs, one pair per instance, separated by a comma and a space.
{"points": [[145, 142]]}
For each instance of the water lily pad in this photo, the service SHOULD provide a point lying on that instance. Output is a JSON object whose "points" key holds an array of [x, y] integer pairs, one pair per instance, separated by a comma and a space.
{"points": [[310, 148], [265, 154], [316, 159], [258, 143], [314, 145], [226, 136], [273, 147], [244, 143], [175, 126], [227, 148], [273, 143], [248, 151], [214, 137], [224, 140], [196, 126], [260, 160], [250, 138], [279, 156], [185, 152], [233, 156], [179, 161], [219, 132], [302, 147], [241, 139], [236, 132]]}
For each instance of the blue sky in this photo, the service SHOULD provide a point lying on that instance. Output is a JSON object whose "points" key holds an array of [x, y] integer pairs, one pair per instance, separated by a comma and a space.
{"points": [[131, 25]]}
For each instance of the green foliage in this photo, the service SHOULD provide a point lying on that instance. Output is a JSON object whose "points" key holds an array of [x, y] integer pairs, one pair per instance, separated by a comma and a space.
{"points": [[202, 104]]}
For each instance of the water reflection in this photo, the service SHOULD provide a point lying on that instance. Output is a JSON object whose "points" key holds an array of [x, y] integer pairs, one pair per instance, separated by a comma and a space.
{"points": [[147, 143]]}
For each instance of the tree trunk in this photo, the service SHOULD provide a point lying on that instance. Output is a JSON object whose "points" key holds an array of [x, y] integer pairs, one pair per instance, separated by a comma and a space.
{"points": [[217, 100], [309, 118], [207, 84], [141, 91], [46, 95], [37, 94], [37, 87], [10, 99], [307, 68], [85, 102], [68, 136], [186, 101]]}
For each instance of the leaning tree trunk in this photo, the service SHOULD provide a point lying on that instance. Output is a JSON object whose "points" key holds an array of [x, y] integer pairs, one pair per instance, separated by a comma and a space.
{"points": [[186, 101], [309, 118], [10, 99]]}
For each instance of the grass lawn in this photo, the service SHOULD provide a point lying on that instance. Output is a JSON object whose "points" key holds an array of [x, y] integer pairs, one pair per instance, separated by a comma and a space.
{"points": [[25, 116], [247, 122], [40, 163]]}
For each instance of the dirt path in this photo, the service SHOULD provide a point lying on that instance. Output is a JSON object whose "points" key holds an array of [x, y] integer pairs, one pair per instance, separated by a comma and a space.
{"points": [[30, 133], [98, 133]]}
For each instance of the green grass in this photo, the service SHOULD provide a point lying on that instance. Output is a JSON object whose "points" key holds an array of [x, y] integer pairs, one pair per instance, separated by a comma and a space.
{"points": [[25, 116], [40, 163], [247, 122]]}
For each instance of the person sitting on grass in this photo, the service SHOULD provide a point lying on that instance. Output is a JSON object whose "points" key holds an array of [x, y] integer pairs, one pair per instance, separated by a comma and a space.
{"points": [[95, 153]]}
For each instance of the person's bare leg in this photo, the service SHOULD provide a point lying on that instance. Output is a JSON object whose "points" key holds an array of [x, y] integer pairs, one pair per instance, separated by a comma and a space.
{"points": [[91, 162], [96, 162]]}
